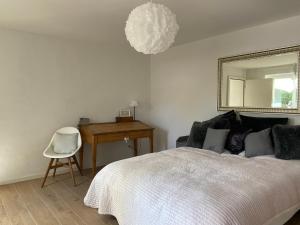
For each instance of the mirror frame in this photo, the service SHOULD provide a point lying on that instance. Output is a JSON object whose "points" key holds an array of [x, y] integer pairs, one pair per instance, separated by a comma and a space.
{"points": [[252, 56]]}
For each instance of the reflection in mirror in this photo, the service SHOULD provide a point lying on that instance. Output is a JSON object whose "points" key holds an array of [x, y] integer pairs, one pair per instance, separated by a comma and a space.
{"points": [[262, 82]]}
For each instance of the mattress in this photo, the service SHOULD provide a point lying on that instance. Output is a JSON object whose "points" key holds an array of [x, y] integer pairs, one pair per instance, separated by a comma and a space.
{"points": [[188, 186]]}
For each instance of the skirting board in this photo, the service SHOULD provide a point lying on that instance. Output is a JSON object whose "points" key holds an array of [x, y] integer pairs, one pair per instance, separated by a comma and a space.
{"points": [[36, 176]]}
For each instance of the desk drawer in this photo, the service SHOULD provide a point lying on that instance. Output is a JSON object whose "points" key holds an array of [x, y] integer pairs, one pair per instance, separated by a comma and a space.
{"points": [[111, 137], [139, 134], [120, 136]]}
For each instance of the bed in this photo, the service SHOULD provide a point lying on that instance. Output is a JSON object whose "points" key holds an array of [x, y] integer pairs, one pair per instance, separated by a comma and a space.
{"points": [[188, 186]]}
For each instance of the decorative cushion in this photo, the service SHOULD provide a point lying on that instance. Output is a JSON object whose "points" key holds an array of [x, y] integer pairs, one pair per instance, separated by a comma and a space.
{"points": [[215, 139], [222, 123], [261, 123], [199, 129], [235, 141], [197, 135], [286, 141], [259, 143], [65, 143]]}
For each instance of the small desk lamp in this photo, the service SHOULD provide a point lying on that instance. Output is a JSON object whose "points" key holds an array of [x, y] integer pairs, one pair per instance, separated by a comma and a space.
{"points": [[133, 104]]}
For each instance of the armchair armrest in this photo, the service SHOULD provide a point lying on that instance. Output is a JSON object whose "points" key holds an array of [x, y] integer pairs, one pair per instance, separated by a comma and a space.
{"points": [[181, 141]]}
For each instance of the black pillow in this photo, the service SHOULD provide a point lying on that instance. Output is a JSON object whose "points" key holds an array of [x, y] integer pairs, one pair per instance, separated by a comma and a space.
{"points": [[236, 140], [199, 129], [261, 123], [286, 141], [221, 123], [197, 135]]}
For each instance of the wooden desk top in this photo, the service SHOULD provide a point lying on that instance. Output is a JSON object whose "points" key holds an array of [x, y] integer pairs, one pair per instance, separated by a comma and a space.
{"points": [[107, 128]]}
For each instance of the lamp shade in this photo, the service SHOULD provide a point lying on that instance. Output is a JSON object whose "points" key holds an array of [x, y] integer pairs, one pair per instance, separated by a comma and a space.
{"points": [[151, 28], [133, 103]]}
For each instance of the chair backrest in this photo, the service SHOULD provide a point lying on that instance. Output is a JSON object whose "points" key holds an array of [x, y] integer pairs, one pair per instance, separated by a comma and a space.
{"points": [[70, 130]]}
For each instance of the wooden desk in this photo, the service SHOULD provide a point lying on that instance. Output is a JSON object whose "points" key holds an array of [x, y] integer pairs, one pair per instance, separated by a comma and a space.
{"points": [[97, 133]]}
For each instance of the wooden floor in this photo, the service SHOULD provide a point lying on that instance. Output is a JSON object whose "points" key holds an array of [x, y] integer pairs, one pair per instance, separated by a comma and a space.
{"points": [[59, 202]]}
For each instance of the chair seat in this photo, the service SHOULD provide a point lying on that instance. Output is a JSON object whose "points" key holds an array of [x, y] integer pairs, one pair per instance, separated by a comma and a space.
{"points": [[49, 153], [54, 157]]}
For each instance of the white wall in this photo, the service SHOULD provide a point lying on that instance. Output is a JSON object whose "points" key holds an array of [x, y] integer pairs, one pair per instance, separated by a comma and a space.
{"points": [[47, 83], [184, 79], [258, 93], [259, 73]]}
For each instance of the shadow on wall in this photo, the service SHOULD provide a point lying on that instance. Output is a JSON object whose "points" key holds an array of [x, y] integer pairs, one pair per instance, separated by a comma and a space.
{"points": [[107, 153], [293, 119], [143, 146], [160, 139], [111, 152]]}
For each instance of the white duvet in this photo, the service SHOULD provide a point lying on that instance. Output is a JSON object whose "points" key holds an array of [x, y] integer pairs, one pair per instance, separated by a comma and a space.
{"points": [[188, 186]]}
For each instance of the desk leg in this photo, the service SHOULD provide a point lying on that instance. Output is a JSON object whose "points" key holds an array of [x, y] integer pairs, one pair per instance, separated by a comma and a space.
{"points": [[151, 142], [81, 157], [135, 147], [94, 155]]}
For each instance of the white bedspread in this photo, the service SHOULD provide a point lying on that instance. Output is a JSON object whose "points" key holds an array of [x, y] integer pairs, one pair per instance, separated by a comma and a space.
{"points": [[188, 186]]}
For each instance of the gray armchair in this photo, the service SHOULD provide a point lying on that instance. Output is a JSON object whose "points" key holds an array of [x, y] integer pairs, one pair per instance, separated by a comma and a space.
{"points": [[181, 141]]}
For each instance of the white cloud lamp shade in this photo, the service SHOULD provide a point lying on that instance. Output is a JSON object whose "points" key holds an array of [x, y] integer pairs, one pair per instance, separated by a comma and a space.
{"points": [[134, 103], [151, 28]]}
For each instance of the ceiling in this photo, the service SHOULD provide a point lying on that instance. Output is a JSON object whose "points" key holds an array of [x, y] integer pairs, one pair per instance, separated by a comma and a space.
{"points": [[104, 20]]}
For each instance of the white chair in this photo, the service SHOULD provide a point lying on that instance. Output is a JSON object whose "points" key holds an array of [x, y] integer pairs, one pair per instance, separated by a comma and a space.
{"points": [[49, 153]]}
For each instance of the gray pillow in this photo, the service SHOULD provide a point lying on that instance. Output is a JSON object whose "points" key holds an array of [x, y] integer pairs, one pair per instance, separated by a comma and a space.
{"points": [[65, 143], [259, 143], [215, 140]]}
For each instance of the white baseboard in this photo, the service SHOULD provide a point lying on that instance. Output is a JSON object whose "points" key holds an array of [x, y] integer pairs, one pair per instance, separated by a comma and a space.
{"points": [[35, 176], [62, 170]]}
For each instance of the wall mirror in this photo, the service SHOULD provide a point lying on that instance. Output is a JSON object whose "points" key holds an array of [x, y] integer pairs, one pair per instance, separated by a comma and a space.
{"points": [[265, 81]]}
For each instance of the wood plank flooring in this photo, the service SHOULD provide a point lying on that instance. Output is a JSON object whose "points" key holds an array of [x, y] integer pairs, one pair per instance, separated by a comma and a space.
{"points": [[59, 202]]}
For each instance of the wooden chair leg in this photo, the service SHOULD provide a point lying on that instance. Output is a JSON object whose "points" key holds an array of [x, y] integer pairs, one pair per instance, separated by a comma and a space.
{"points": [[71, 170], [77, 165], [54, 172], [47, 172]]}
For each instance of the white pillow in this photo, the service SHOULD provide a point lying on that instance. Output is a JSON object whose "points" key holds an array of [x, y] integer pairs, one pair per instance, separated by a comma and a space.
{"points": [[65, 143], [243, 154], [226, 152]]}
